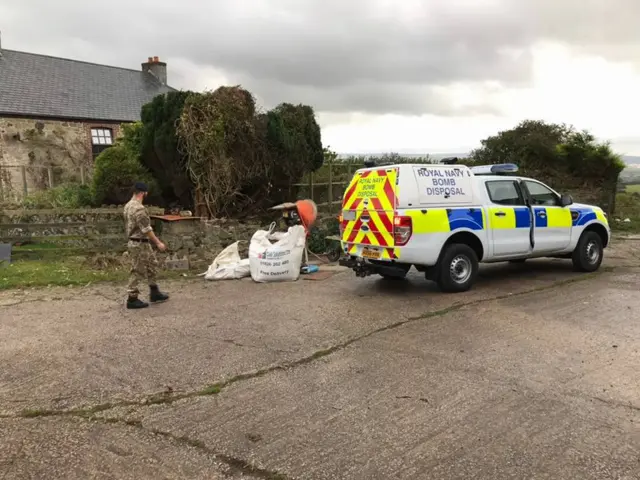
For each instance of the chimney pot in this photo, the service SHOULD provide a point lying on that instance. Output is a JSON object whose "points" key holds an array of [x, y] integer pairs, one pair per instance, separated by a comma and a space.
{"points": [[156, 68]]}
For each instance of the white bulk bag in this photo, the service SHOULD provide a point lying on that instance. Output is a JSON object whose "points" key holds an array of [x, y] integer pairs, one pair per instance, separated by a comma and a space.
{"points": [[279, 261], [228, 265]]}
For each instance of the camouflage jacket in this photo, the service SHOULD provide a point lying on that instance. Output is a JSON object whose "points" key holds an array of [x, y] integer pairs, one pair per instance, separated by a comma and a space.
{"points": [[136, 219]]}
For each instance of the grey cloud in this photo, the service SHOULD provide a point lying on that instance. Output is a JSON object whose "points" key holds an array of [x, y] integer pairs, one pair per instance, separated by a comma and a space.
{"points": [[370, 56], [366, 97]]}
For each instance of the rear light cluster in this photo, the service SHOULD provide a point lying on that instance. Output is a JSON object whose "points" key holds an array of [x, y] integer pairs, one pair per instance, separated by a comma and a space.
{"points": [[402, 230]]}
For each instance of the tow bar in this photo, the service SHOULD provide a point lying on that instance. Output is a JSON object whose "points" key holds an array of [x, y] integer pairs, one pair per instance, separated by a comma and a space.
{"points": [[358, 265]]}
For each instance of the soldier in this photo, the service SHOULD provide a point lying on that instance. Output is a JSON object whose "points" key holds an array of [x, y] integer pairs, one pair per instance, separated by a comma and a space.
{"points": [[143, 259]]}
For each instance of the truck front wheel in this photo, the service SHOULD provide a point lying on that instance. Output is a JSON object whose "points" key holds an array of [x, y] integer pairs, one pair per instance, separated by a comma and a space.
{"points": [[457, 268], [588, 254]]}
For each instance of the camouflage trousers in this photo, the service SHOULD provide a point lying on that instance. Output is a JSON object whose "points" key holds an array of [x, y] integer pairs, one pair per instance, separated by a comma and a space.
{"points": [[144, 266]]}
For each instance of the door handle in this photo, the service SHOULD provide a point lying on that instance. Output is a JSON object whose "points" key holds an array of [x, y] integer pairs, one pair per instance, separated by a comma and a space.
{"points": [[500, 214]]}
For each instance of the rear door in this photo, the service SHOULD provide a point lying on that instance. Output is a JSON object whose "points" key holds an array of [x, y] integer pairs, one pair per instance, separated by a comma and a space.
{"points": [[368, 211]]}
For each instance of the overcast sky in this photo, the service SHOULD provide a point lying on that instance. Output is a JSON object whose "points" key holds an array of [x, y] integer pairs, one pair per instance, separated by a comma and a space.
{"points": [[383, 75]]}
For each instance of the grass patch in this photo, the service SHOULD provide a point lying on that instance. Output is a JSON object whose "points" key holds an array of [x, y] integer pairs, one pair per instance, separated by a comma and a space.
{"points": [[211, 390], [55, 272], [627, 206], [35, 413], [45, 266]]}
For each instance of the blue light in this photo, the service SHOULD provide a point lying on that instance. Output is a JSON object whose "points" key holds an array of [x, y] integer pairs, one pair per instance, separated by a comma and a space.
{"points": [[497, 169], [504, 168]]}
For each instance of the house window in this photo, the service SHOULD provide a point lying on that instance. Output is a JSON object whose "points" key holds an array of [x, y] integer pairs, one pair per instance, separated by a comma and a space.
{"points": [[101, 139]]}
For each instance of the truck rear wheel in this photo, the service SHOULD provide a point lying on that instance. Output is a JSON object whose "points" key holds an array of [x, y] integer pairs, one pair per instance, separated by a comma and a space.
{"points": [[458, 268]]}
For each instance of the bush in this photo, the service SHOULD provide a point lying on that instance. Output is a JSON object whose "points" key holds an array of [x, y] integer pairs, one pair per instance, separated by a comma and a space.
{"points": [[317, 242], [62, 196], [116, 170]]}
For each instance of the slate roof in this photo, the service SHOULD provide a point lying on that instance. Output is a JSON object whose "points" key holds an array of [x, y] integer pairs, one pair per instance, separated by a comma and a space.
{"points": [[34, 85]]}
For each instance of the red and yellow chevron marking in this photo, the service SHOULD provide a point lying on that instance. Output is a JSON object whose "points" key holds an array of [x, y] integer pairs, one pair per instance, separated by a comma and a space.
{"points": [[371, 194]]}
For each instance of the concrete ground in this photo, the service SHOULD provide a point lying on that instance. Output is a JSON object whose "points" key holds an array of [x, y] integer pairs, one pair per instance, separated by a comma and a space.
{"points": [[535, 373]]}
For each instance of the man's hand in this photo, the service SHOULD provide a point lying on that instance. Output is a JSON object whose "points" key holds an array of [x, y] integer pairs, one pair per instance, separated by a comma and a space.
{"points": [[152, 236]]}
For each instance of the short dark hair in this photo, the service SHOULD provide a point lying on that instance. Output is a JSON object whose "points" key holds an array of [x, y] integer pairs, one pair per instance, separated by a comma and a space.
{"points": [[140, 187]]}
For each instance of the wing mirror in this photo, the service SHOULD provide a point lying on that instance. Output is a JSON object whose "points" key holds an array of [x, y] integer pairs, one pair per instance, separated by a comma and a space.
{"points": [[565, 200]]}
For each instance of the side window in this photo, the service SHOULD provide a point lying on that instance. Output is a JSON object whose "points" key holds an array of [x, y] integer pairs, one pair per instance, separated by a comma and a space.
{"points": [[541, 195], [505, 192]]}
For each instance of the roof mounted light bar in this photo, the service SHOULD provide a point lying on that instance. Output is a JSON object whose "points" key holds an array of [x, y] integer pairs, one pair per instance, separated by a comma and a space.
{"points": [[498, 169], [449, 160]]}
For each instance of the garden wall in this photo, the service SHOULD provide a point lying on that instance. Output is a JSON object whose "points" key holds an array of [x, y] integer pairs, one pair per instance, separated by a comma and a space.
{"points": [[102, 230]]}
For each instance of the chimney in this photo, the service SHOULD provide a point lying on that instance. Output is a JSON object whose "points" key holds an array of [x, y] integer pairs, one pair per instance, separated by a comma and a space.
{"points": [[155, 67]]}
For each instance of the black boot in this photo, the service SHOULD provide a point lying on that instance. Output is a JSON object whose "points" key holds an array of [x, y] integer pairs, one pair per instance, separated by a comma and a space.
{"points": [[156, 295], [136, 303]]}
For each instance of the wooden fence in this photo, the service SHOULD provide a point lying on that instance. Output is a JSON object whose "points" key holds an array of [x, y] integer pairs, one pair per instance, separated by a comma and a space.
{"points": [[326, 186]]}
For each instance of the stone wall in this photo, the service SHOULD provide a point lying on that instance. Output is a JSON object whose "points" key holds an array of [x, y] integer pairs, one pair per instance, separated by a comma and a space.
{"points": [[34, 144], [200, 241], [87, 228], [93, 230]]}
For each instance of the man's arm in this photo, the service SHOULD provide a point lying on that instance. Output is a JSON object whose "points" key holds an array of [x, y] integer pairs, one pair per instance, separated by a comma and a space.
{"points": [[145, 227]]}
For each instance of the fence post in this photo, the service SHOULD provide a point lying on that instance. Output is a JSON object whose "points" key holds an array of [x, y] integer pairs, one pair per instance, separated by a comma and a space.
{"points": [[50, 174], [82, 179], [330, 189], [23, 171], [311, 186]]}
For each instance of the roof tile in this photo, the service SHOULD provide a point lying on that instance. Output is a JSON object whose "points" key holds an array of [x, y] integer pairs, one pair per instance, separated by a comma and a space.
{"points": [[43, 86]]}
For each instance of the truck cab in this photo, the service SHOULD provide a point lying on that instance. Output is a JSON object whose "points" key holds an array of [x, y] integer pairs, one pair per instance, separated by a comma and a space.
{"points": [[444, 220]]}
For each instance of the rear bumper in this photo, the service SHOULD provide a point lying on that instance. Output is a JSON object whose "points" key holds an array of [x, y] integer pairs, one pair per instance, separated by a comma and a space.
{"points": [[363, 267]]}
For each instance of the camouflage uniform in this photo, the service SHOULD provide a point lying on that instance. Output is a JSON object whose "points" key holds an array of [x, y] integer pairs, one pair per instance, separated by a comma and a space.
{"points": [[144, 264]]}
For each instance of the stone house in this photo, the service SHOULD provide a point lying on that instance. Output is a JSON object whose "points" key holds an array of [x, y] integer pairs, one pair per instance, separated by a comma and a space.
{"points": [[57, 115]]}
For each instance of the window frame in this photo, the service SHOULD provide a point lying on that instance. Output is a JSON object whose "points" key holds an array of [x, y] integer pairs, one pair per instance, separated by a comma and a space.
{"points": [[555, 194], [519, 191], [100, 133]]}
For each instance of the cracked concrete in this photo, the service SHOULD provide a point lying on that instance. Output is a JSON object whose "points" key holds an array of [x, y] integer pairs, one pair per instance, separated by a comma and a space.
{"points": [[531, 374]]}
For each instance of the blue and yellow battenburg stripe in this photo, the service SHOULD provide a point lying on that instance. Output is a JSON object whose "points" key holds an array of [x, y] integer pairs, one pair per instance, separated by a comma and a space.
{"points": [[442, 220], [582, 216], [514, 217], [447, 220]]}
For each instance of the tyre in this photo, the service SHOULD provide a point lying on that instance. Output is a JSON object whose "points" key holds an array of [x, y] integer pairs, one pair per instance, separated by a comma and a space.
{"points": [[589, 252], [457, 269], [333, 255]]}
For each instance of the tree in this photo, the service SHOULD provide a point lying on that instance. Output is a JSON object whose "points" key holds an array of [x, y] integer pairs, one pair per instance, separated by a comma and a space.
{"points": [[240, 159], [557, 154], [159, 147]]}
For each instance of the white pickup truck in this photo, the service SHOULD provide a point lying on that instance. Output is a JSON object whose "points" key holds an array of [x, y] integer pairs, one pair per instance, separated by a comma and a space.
{"points": [[445, 219]]}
